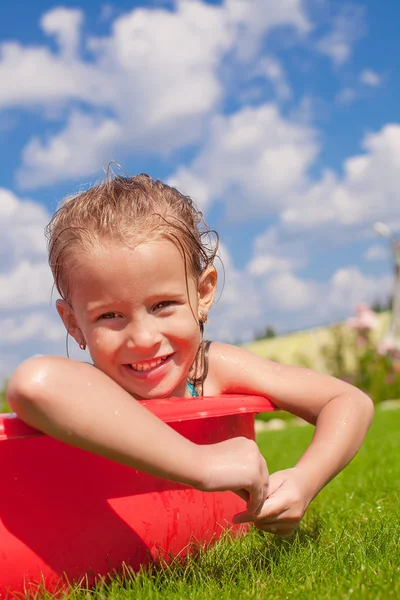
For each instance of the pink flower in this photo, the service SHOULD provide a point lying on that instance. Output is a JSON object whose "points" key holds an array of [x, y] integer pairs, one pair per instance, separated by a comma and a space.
{"points": [[388, 347], [366, 320]]}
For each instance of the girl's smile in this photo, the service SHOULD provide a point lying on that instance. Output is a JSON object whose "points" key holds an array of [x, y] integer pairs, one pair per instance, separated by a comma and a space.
{"points": [[151, 370], [138, 314]]}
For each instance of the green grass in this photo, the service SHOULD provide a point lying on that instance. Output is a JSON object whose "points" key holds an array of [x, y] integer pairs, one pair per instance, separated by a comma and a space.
{"points": [[347, 546]]}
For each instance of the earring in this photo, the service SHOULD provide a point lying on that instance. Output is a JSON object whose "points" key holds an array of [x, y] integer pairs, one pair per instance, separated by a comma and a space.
{"points": [[82, 344], [202, 321], [203, 316]]}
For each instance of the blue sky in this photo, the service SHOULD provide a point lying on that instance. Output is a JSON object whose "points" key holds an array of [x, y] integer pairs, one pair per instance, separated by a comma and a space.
{"points": [[280, 119]]}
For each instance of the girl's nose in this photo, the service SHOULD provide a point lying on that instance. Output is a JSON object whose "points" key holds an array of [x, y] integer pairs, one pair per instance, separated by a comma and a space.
{"points": [[143, 334]]}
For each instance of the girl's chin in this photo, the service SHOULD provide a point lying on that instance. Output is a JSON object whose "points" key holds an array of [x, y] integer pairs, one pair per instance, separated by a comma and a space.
{"points": [[149, 387]]}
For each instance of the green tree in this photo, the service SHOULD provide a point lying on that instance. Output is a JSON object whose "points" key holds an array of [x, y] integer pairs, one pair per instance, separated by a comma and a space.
{"points": [[265, 334]]}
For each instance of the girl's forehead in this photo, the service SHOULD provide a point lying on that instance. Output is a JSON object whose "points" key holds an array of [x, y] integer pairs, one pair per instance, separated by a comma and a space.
{"points": [[124, 269], [127, 255]]}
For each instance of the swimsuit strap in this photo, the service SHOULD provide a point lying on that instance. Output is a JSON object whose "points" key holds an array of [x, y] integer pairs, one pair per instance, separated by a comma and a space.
{"points": [[192, 390], [192, 386]]}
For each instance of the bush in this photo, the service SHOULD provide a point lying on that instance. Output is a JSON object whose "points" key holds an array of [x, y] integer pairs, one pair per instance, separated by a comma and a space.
{"points": [[356, 359]]}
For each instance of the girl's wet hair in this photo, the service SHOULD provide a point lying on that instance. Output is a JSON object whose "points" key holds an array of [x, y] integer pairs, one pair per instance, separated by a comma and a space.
{"points": [[129, 210]]}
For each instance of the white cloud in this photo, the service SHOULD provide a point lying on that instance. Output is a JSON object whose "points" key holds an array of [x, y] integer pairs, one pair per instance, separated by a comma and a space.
{"points": [[346, 96], [272, 253], [22, 224], [367, 192], [347, 28], [28, 322], [286, 292], [35, 77], [25, 277], [377, 252], [17, 330], [253, 159], [272, 69], [47, 163], [189, 183], [265, 264], [28, 284], [259, 17], [64, 24], [371, 78], [349, 287], [151, 83], [279, 297], [239, 305]]}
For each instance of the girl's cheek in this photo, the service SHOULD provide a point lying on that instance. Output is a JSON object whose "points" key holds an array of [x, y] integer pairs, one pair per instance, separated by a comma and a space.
{"points": [[104, 340]]}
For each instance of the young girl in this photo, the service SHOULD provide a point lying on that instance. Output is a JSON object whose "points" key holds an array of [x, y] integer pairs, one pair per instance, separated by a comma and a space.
{"points": [[132, 260]]}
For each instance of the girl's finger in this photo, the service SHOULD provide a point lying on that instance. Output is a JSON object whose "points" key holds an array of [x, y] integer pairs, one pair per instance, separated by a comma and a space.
{"points": [[256, 500], [259, 490]]}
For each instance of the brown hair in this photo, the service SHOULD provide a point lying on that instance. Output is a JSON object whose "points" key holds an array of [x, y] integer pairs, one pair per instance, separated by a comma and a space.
{"points": [[124, 209]]}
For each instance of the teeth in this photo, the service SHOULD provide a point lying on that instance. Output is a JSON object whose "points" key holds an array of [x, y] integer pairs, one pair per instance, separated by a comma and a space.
{"points": [[148, 365]]}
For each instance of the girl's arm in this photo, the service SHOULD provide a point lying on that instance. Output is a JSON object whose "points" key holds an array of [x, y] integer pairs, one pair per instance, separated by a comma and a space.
{"points": [[80, 405], [341, 413]]}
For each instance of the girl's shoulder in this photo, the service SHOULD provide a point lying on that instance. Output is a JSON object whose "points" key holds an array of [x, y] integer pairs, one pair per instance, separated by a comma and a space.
{"points": [[231, 370], [236, 370]]}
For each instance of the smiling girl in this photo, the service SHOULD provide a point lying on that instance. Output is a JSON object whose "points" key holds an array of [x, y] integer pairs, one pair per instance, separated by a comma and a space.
{"points": [[132, 260]]}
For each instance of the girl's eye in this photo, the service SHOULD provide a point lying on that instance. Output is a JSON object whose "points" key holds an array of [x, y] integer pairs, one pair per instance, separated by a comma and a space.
{"points": [[163, 304], [109, 315]]}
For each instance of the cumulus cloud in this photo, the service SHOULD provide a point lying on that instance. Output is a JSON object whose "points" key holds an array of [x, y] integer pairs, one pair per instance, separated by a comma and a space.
{"points": [[28, 323], [252, 160], [45, 163], [371, 78], [64, 24], [273, 253], [28, 284], [258, 17], [22, 224], [271, 68], [238, 306], [31, 327], [25, 277], [347, 28], [376, 252], [349, 287], [367, 192], [148, 86], [288, 301], [346, 96]]}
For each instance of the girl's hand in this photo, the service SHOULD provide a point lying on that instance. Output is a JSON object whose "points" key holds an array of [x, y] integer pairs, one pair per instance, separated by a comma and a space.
{"points": [[237, 465], [285, 505]]}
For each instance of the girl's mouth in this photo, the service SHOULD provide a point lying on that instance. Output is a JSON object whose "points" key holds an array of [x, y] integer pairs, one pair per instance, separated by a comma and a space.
{"points": [[148, 365]]}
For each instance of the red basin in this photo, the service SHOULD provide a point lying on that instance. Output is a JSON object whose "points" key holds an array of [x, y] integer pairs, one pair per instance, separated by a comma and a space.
{"points": [[66, 514]]}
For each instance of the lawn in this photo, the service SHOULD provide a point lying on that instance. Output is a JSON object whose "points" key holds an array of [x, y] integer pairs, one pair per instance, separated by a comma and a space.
{"points": [[347, 546]]}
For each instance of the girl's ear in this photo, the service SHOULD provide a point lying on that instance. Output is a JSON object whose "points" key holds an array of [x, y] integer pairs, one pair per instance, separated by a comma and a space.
{"points": [[206, 291], [68, 318]]}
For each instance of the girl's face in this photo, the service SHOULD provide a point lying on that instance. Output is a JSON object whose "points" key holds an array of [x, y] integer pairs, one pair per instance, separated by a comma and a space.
{"points": [[138, 313]]}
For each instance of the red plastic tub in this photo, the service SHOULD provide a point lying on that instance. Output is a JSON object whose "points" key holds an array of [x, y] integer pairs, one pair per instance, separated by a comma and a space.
{"points": [[67, 515]]}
